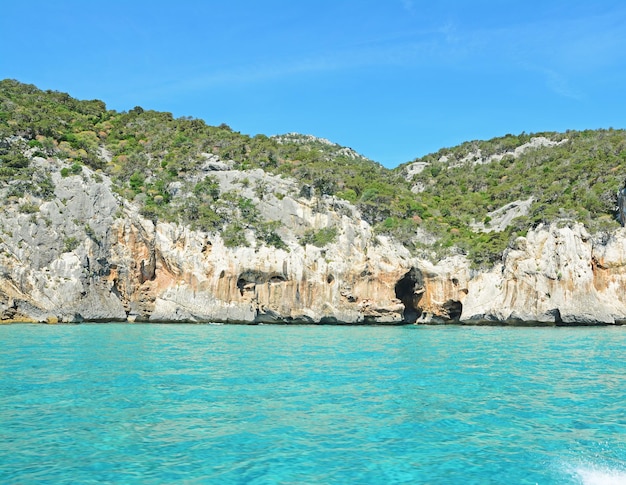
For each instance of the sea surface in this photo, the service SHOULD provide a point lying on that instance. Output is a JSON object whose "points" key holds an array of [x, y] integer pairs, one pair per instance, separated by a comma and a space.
{"points": [[193, 404]]}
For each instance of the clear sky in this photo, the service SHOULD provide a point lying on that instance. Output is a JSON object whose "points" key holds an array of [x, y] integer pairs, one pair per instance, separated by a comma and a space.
{"points": [[392, 79]]}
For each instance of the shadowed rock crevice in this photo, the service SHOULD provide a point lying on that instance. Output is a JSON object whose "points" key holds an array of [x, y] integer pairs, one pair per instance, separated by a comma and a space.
{"points": [[249, 279], [277, 278], [147, 269], [621, 206], [454, 309], [409, 290], [556, 314]]}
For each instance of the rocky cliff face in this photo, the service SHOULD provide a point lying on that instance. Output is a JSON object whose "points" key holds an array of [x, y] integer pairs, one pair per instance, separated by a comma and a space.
{"points": [[559, 275], [88, 255]]}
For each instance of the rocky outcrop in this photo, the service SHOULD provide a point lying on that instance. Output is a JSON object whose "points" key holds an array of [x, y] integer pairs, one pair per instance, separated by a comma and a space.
{"points": [[501, 218], [194, 277], [556, 275], [476, 157], [88, 255]]}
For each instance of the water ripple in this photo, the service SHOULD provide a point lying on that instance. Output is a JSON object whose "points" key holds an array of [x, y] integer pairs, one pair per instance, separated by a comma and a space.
{"points": [[269, 404]]}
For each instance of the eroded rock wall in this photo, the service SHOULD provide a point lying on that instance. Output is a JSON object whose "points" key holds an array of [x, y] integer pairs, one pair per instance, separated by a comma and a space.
{"points": [[86, 255], [557, 275], [89, 256], [194, 277]]}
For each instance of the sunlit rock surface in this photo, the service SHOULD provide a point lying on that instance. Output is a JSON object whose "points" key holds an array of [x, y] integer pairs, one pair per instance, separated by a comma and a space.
{"points": [[87, 255]]}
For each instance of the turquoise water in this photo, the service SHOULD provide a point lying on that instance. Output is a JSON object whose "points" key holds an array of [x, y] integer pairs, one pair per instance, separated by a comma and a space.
{"points": [[302, 404]]}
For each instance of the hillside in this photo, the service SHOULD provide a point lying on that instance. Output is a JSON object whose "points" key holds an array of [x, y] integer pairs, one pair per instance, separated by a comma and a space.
{"points": [[152, 156], [451, 196], [541, 178], [139, 215]]}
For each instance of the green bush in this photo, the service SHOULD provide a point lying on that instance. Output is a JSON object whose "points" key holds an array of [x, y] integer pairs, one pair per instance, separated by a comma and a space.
{"points": [[321, 238], [234, 236], [28, 208], [266, 233], [209, 188], [69, 244], [348, 194], [75, 169]]}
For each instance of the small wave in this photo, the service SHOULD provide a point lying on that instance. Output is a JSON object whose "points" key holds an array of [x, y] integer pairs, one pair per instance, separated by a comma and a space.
{"points": [[593, 475]]}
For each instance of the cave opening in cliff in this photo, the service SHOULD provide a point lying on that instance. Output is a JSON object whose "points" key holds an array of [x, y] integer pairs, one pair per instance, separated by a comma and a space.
{"points": [[454, 309], [409, 290]]}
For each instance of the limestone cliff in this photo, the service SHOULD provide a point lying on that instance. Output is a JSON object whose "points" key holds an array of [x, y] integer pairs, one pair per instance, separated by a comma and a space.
{"points": [[88, 255], [141, 216], [557, 275]]}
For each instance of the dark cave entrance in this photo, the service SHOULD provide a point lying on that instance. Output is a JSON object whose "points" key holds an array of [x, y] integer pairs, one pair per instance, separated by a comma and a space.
{"points": [[409, 290], [454, 309]]}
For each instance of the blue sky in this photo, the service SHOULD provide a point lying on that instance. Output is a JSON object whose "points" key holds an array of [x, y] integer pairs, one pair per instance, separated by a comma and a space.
{"points": [[393, 79]]}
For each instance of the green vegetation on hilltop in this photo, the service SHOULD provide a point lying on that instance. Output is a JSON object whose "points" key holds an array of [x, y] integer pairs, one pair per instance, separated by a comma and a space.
{"points": [[574, 178], [153, 157], [149, 150]]}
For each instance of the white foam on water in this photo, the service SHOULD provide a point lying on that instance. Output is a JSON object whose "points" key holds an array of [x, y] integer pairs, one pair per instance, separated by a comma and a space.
{"points": [[595, 475]]}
